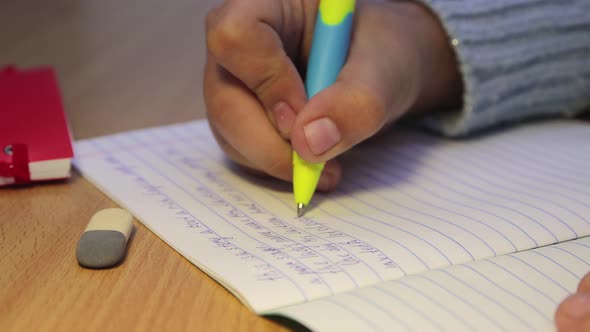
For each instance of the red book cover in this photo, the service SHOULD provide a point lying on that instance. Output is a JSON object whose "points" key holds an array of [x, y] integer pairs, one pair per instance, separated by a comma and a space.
{"points": [[35, 141]]}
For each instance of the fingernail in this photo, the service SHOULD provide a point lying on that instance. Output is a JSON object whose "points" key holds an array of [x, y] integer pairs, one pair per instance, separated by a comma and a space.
{"points": [[579, 306], [284, 117], [321, 135]]}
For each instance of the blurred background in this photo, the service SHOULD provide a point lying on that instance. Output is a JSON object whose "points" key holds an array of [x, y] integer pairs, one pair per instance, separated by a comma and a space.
{"points": [[137, 61], [128, 60]]}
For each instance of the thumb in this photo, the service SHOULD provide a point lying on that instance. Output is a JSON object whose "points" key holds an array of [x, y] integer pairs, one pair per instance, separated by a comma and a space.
{"points": [[361, 102]]}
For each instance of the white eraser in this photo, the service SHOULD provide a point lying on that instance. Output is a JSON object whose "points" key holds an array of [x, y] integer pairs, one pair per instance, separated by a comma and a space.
{"points": [[111, 219]]}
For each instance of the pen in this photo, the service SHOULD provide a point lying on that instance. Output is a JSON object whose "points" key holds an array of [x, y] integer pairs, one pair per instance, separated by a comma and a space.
{"points": [[329, 49]]}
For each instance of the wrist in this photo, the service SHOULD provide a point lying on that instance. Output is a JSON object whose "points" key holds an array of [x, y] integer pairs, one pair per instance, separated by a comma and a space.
{"points": [[440, 80]]}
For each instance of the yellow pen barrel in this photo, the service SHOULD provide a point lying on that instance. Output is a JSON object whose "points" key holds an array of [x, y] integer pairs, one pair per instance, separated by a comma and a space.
{"points": [[328, 53], [305, 179]]}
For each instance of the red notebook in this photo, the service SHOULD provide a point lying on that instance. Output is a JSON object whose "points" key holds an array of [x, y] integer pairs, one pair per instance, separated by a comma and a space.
{"points": [[35, 140]]}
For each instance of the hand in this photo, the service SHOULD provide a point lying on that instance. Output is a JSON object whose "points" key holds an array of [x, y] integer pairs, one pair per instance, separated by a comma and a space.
{"points": [[573, 315], [400, 62]]}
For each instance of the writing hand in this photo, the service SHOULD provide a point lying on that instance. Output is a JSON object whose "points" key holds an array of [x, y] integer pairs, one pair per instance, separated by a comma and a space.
{"points": [[400, 62]]}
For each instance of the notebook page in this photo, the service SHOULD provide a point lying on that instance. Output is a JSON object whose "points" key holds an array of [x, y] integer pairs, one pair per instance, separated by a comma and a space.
{"points": [[403, 207], [516, 292]]}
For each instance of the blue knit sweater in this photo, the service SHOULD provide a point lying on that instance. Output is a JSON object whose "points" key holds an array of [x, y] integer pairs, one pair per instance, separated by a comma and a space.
{"points": [[519, 59]]}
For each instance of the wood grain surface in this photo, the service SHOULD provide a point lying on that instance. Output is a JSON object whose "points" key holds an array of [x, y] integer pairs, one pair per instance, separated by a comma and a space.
{"points": [[121, 65]]}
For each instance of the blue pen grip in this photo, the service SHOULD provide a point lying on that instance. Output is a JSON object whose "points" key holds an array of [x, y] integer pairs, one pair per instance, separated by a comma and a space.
{"points": [[329, 49]]}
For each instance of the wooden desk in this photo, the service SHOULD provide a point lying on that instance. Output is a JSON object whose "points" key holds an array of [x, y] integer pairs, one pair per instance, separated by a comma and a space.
{"points": [[122, 65]]}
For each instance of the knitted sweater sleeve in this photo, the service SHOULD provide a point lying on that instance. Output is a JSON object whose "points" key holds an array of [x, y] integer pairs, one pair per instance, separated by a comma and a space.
{"points": [[519, 59]]}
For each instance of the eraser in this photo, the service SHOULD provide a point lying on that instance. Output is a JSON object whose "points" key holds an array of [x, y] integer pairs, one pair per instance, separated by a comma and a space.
{"points": [[104, 242]]}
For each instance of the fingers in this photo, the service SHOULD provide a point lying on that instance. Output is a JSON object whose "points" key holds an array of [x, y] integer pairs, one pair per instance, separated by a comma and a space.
{"points": [[246, 134], [254, 40], [573, 314], [241, 125], [232, 153], [250, 71]]}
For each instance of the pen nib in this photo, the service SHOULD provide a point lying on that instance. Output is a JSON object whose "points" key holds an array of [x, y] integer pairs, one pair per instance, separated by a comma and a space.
{"points": [[300, 208]]}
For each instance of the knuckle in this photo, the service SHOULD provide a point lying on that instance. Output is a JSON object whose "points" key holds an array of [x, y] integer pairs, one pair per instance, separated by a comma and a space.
{"points": [[224, 34]]}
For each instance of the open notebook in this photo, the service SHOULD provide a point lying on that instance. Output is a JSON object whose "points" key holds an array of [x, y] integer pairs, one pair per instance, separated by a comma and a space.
{"points": [[423, 234]]}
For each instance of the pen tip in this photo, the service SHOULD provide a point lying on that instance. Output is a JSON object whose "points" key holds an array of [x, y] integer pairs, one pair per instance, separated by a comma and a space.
{"points": [[300, 208]]}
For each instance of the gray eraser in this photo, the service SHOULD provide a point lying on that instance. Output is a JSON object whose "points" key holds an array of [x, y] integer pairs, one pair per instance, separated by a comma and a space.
{"points": [[104, 242], [101, 249]]}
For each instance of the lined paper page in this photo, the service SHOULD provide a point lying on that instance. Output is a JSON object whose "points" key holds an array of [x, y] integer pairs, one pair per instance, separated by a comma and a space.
{"points": [[409, 203], [516, 292]]}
